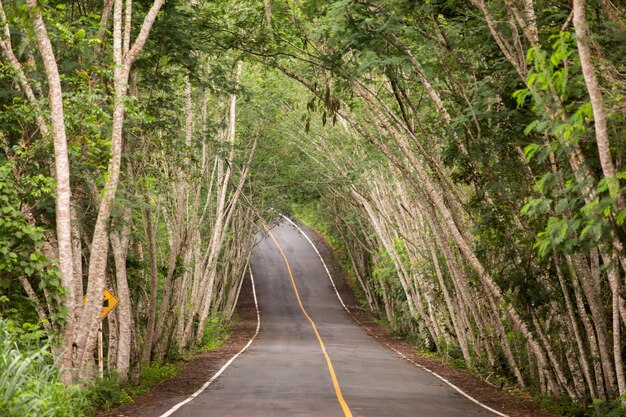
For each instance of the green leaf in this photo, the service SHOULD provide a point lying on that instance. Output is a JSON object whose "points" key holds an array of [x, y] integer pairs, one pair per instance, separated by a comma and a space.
{"points": [[530, 150], [530, 205], [613, 187]]}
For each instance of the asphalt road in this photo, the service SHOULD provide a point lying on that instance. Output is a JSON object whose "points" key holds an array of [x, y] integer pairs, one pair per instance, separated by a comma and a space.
{"points": [[285, 372]]}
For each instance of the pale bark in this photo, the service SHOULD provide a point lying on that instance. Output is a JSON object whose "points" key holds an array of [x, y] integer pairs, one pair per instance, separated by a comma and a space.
{"points": [[104, 19], [597, 102], [62, 176], [438, 201], [150, 235], [113, 340], [582, 355], [590, 284], [7, 50], [181, 228], [556, 365], [450, 304], [415, 308], [617, 346], [526, 19], [218, 235], [267, 8], [120, 242], [100, 242], [589, 332], [518, 61], [77, 253], [176, 247]]}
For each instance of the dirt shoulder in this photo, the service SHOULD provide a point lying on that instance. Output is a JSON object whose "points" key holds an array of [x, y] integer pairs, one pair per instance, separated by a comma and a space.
{"points": [[199, 369], [515, 405]]}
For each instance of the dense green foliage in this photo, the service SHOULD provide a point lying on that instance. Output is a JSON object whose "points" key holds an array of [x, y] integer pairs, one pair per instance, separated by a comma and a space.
{"points": [[20, 246], [452, 148], [173, 242], [29, 380], [465, 159]]}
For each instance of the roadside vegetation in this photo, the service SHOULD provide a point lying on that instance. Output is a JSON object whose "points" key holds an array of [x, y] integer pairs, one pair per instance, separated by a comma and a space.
{"points": [[29, 380], [465, 158]]}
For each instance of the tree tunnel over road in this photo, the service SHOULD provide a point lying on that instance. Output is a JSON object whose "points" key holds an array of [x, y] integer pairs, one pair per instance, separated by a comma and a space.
{"points": [[284, 372]]}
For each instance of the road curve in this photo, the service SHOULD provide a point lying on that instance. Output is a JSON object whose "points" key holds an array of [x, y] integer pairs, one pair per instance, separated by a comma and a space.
{"points": [[285, 373]]}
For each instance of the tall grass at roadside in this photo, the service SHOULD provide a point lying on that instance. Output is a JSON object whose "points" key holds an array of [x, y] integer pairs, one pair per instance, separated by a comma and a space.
{"points": [[215, 334], [29, 380]]}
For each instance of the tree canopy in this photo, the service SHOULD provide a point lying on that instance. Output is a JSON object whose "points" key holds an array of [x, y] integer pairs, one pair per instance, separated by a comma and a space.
{"points": [[465, 160]]}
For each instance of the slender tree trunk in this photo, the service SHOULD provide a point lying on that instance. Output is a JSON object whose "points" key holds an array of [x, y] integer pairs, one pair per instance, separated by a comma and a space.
{"points": [[597, 102], [123, 60], [120, 242], [150, 234], [219, 226], [582, 355], [617, 346], [7, 50], [556, 365], [63, 191], [591, 289], [458, 330]]}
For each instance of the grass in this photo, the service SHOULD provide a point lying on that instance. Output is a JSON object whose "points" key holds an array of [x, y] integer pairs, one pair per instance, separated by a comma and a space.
{"points": [[595, 408], [216, 333], [29, 380], [108, 393]]}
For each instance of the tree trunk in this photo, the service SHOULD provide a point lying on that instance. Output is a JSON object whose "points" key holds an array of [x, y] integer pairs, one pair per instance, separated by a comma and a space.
{"points": [[123, 60], [63, 192], [120, 242], [150, 234], [597, 103]]}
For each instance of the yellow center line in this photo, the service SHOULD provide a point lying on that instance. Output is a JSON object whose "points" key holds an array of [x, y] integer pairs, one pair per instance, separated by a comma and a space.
{"points": [[333, 376]]}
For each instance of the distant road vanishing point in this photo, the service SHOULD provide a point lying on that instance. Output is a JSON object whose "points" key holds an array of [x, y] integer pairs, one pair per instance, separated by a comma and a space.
{"points": [[311, 359]]}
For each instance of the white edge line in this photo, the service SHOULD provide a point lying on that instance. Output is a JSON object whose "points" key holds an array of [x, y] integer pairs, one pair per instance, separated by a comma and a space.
{"points": [[227, 364], [402, 355]]}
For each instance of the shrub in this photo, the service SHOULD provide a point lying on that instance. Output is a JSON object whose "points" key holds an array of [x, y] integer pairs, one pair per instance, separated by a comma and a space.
{"points": [[29, 381], [215, 333], [107, 393]]}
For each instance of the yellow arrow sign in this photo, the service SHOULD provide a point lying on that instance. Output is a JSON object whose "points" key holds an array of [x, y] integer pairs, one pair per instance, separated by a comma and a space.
{"points": [[109, 302]]}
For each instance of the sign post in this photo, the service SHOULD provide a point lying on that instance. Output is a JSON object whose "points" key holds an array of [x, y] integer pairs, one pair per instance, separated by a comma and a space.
{"points": [[100, 352], [109, 302]]}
